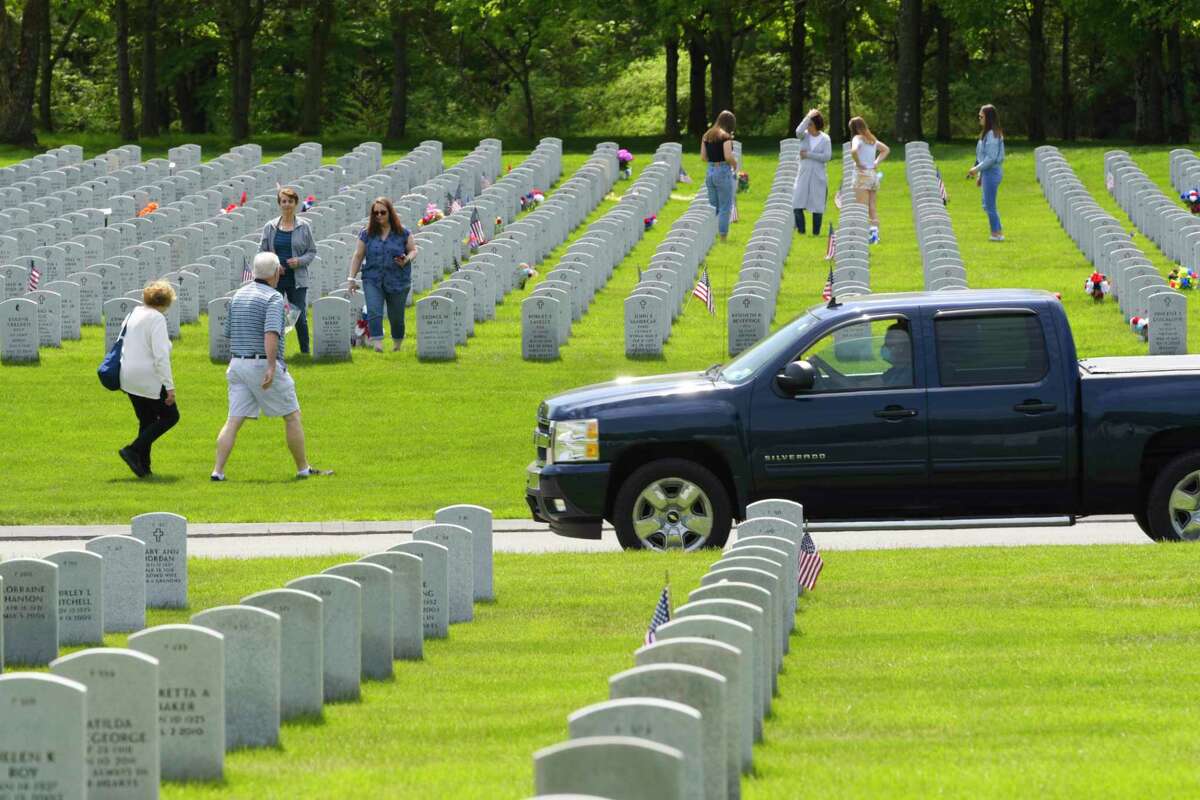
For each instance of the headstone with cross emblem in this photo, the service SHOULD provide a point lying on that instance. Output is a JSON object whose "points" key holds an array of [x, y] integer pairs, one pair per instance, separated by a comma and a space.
{"points": [[435, 329], [165, 537], [539, 328]]}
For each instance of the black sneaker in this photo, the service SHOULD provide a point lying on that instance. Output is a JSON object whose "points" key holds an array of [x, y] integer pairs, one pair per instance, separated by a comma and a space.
{"points": [[134, 461]]}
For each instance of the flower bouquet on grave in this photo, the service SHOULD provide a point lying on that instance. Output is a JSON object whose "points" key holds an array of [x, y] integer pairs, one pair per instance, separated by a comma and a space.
{"points": [[1182, 279], [150, 208], [1191, 199], [308, 203], [624, 159], [1140, 326], [499, 226], [649, 221], [432, 214], [743, 181], [1097, 286]]}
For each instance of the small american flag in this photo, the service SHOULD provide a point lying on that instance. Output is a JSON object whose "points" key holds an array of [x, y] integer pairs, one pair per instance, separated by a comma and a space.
{"points": [[476, 237], [942, 194], [662, 613], [810, 563], [247, 273], [832, 246], [703, 291], [827, 292], [35, 277], [456, 206]]}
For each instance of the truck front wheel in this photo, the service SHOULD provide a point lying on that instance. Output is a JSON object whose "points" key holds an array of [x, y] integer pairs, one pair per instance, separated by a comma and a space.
{"points": [[1173, 506], [671, 504]]}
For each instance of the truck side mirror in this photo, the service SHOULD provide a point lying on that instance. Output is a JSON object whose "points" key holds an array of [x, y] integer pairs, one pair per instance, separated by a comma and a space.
{"points": [[797, 377]]}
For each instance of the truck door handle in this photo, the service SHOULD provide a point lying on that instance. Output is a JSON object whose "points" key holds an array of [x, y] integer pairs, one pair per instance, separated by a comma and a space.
{"points": [[1034, 407], [896, 413]]}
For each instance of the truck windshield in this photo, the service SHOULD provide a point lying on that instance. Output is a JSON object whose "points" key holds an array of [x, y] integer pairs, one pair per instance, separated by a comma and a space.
{"points": [[742, 368]]}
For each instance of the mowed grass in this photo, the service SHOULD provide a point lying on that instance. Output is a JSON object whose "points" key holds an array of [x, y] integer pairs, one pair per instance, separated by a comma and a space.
{"points": [[1055, 672], [407, 437]]}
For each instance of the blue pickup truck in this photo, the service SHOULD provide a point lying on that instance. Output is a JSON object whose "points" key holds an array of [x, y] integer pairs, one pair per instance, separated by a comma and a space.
{"points": [[917, 406]]}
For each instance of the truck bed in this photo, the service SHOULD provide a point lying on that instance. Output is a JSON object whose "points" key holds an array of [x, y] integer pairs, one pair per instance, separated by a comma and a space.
{"points": [[1139, 365]]}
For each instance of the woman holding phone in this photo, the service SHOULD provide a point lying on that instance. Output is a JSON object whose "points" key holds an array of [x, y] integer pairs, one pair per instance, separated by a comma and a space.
{"points": [[385, 252]]}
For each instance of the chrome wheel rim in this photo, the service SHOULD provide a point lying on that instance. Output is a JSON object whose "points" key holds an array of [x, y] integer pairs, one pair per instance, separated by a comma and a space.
{"points": [[673, 514], [1184, 507]]}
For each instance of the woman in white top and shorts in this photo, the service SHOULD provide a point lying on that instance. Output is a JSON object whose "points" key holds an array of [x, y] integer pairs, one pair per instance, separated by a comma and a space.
{"points": [[146, 374], [868, 154]]}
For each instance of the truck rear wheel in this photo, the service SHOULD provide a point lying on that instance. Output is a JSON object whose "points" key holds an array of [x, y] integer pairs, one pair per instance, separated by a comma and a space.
{"points": [[1173, 506], [672, 504]]}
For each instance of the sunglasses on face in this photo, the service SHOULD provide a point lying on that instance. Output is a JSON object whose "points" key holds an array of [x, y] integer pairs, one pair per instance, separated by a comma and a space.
{"points": [[380, 213]]}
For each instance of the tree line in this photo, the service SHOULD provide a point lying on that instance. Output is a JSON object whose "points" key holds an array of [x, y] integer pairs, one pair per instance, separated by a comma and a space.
{"points": [[915, 68]]}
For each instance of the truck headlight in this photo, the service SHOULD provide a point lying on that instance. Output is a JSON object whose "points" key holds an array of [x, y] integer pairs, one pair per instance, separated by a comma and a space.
{"points": [[574, 440]]}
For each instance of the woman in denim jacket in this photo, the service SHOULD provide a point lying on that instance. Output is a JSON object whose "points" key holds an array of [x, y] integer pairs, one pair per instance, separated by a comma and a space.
{"points": [[385, 253], [291, 238], [987, 172]]}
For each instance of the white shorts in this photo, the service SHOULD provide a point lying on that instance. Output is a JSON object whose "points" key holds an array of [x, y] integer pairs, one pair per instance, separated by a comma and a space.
{"points": [[247, 398], [866, 180]]}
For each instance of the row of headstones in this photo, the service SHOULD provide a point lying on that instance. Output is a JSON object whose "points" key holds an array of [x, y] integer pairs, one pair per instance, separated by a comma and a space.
{"points": [[1161, 219], [565, 293], [683, 721], [663, 288], [851, 252], [447, 314], [1136, 283], [171, 704], [446, 317], [1185, 170], [74, 597], [751, 304], [940, 256], [57, 170]]}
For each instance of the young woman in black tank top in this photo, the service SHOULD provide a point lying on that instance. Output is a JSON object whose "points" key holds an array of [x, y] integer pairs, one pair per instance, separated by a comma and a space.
{"points": [[716, 148]]}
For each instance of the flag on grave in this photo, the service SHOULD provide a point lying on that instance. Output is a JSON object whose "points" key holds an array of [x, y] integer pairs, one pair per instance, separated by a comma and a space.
{"points": [[942, 194], [476, 237], [703, 291], [247, 273], [662, 613], [35, 277], [831, 247], [811, 563], [827, 292]]}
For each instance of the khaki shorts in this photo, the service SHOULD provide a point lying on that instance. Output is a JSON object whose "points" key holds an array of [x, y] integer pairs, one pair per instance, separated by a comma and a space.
{"points": [[865, 180], [247, 398]]}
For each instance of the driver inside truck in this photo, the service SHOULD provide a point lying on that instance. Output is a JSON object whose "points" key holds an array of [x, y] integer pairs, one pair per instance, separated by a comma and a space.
{"points": [[897, 351]]}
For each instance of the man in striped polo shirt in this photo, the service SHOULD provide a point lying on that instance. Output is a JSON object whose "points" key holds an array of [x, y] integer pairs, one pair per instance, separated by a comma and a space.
{"points": [[258, 377]]}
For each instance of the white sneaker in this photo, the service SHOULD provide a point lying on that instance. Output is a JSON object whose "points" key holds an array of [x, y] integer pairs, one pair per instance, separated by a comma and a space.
{"points": [[996, 237]]}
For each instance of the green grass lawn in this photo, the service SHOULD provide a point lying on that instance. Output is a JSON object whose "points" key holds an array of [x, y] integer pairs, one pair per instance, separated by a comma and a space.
{"points": [[1054, 672], [406, 438]]}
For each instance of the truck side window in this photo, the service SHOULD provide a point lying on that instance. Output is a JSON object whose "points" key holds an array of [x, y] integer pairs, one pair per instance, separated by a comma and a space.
{"points": [[864, 355], [990, 350]]}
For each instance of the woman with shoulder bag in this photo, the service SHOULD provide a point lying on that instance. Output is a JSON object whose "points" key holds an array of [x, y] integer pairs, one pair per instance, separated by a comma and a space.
{"points": [[291, 238], [385, 253], [146, 374]]}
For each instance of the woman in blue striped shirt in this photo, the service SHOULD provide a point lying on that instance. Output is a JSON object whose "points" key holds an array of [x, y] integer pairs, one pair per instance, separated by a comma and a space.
{"points": [[987, 172]]}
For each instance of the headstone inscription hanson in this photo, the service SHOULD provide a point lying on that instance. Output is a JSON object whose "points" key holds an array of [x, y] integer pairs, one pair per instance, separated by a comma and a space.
{"points": [[30, 611]]}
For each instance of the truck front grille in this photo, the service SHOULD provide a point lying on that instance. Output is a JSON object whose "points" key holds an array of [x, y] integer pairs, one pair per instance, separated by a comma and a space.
{"points": [[541, 439]]}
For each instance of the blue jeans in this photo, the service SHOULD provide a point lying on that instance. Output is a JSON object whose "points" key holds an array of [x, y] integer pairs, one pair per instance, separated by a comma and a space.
{"points": [[991, 183], [720, 184], [377, 297], [298, 299]]}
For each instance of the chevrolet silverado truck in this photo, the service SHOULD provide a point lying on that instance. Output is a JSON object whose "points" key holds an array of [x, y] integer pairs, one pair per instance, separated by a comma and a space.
{"points": [[940, 406]]}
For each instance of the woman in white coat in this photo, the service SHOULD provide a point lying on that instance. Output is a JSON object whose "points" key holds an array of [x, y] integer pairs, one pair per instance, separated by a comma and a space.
{"points": [[811, 187], [146, 374]]}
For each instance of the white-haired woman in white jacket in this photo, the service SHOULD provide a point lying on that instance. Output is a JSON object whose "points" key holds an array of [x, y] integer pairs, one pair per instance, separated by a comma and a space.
{"points": [[812, 184], [146, 374]]}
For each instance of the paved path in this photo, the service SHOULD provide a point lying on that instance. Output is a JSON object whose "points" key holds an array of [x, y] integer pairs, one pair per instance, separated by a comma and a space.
{"points": [[244, 540]]}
